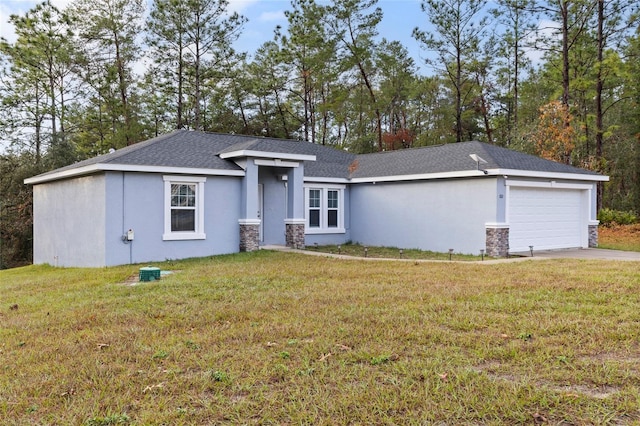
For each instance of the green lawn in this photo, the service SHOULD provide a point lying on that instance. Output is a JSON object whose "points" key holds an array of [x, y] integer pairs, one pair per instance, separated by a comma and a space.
{"points": [[358, 250], [281, 338]]}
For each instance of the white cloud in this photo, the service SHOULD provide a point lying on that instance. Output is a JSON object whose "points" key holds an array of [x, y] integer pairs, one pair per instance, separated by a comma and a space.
{"points": [[547, 30], [272, 16], [240, 5], [6, 29], [20, 7]]}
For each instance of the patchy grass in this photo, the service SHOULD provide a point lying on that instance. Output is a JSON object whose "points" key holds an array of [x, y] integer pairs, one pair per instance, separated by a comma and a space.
{"points": [[358, 250], [620, 237], [281, 338]]}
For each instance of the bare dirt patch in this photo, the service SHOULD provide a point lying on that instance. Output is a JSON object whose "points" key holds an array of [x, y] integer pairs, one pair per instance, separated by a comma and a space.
{"points": [[495, 371]]}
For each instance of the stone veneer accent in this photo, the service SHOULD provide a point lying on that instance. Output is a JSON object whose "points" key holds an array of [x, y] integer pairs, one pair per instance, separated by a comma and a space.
{"points": [[593, 236], [295, 235], [249, 237], [497, 241]]}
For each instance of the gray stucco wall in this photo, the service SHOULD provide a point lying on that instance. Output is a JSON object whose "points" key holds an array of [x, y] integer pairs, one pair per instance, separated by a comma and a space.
{"points": [[69, 222], [136, 201], [430, 215]]}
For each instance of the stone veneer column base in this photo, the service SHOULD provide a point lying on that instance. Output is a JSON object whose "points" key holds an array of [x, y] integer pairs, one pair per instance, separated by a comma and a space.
{"points": [[295, 233], [497, 241], [593, 236], [249, 235]]}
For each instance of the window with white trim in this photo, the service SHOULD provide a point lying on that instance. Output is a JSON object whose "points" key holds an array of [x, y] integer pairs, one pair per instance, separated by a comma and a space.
{"points": [[183, 208], [324, 209]]}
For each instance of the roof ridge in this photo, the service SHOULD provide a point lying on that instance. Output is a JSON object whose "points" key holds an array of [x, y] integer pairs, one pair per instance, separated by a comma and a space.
{"points": [[417, 148]]}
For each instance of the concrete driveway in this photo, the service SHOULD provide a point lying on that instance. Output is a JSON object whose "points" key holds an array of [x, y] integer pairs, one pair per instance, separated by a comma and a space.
{"points": [[591, 253]]}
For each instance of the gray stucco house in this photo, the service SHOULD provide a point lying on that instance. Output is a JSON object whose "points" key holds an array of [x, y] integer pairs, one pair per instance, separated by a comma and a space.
{"points": [[191, 194]]}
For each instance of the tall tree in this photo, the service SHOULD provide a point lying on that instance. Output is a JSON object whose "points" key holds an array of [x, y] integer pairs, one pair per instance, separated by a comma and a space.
{"points": [[459, 27], [108, 30], [211, 31], [613, 23], [396, 83], [189, 40], [632, 116], [37, 79], [353, 24], [519, 25], [573, 19], [270, 77], [168, 40], [310, 52]]}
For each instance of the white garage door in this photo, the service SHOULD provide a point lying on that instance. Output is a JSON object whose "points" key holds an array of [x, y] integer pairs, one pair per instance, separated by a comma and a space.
{"points": [[545, 218]]}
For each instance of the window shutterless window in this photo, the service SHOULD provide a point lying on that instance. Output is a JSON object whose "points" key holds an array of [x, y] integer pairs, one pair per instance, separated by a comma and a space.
{"points": [[184, 208], [324, 209], [314, 208]]}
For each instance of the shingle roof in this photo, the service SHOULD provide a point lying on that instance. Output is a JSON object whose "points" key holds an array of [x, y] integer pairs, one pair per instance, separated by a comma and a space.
{"points": [[452, 158], [191, 149]]}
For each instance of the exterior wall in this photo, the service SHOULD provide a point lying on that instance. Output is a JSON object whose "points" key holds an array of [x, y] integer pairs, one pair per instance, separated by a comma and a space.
{"points": [[428, 215], [136, 201], [69, 222]]}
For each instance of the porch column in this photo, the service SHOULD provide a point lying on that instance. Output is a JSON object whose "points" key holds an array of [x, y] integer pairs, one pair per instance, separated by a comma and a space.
{"points": [[593, 234], [249, 221], [497, 240], [294, 223]]}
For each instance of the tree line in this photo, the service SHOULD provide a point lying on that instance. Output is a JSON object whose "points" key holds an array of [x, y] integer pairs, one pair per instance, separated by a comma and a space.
{"points": [[103, 74]]}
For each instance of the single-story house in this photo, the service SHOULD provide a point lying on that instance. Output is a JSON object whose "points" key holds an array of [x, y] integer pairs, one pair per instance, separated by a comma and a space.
{"points": [[191, 194]]}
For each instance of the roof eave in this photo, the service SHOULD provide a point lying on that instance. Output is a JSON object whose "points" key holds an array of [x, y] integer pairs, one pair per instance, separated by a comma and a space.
{"points": [[316, 179], [244, 153], [481, 173], [421, 176], [550, 175], [106, 167]]}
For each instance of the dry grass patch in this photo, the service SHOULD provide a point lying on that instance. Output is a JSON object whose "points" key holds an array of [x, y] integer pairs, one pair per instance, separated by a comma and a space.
{"points": [[279, 338], [620, 237]]}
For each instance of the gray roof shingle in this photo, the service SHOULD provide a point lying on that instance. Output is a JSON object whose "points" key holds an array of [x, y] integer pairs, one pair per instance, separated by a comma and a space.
{"points": [[452, 158], [191, 149]]}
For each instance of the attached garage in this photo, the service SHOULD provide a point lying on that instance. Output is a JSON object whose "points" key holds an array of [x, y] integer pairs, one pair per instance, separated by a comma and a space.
{"points": [[547, 215]]}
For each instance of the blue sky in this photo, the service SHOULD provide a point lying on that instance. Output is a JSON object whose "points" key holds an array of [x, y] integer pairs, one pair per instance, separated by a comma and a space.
{"points": [[400, 18]]}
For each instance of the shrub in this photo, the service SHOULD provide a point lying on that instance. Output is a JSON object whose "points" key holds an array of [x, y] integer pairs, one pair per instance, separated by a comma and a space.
{"points": [[610, 217]]}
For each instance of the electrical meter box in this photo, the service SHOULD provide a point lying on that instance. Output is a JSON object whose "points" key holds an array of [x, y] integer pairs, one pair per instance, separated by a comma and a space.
{"points": [[149, 273]]}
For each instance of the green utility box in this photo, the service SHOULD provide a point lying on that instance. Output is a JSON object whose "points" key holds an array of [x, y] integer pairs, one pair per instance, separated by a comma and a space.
{"points": [[149, 273]]}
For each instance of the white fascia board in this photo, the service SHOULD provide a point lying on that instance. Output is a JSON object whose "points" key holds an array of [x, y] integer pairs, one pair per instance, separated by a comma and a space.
{"points": [[325, 180], [422, 176], [549, 175], [271, 155], [481, 173], [95, 168], [547, 184]]}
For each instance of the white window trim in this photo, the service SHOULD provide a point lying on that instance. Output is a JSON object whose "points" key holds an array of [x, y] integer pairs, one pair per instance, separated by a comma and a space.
{"points": [[198, 234], [323, 229]]}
